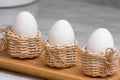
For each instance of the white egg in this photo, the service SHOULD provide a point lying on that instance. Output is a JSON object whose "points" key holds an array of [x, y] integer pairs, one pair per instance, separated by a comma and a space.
{"points": [[25, 24], [100, 40], [61, 33]]}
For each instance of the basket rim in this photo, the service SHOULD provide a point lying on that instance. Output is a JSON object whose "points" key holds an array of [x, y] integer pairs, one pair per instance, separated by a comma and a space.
{"points": [[98, 54], [59, 46], [8, 29]]}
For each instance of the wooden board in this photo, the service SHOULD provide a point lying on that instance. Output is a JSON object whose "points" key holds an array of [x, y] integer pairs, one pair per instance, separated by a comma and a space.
{"points": [[36, 67]]}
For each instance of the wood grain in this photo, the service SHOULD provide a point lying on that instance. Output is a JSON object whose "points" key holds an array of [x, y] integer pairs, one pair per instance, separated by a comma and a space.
{"points": [[36, 67]]}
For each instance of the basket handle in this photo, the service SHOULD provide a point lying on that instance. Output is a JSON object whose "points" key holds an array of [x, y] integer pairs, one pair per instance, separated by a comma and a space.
{"points": [[3, 42], [109, 58]]}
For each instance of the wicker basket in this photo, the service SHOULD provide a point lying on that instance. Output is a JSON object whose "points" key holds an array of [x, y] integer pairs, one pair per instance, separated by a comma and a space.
{"points": [[61, 56], [99, 64], [20, 46]]}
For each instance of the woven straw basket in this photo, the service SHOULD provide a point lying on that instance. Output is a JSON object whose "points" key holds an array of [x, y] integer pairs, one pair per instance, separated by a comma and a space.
{"points": [[61, 56], [99, 64], [20, 46]]}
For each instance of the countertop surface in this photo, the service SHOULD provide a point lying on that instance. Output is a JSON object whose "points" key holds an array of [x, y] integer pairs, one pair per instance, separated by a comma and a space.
{"points": [[84, 18]]}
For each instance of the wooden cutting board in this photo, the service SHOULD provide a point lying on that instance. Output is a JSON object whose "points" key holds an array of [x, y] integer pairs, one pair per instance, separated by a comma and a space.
{"points": [[36, 67]]}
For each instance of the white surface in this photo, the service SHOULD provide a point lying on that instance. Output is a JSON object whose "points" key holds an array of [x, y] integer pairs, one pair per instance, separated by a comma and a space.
{"points": [[5, 75], [11, 3]]}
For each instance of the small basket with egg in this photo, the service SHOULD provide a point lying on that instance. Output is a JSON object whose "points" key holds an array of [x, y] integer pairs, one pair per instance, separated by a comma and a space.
{"points": [[23, 39], [99, 57], [61, 47]]}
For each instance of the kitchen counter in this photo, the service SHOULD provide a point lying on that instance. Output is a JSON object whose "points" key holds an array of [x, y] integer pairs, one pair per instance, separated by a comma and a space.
{"points": [[84, 18]]}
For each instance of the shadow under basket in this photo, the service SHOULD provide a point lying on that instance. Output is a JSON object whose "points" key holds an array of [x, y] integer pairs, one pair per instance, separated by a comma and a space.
{"points": [[99, 64], [20, 46], [61, 56]]}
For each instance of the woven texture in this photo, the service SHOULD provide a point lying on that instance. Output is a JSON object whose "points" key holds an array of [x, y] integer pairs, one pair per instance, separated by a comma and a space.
{"points": [[99, 64], [3, 44], [22, 47], [61, 56]]}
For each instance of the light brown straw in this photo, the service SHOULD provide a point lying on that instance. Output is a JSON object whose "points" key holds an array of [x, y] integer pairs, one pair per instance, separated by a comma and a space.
{"points": [[3, 42], [61, 56], [99, 64], [22, 47]]}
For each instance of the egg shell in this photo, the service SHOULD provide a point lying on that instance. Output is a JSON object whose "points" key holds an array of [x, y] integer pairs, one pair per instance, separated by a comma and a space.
{"points": [[25, 24], [100, 40], [61, 33]]}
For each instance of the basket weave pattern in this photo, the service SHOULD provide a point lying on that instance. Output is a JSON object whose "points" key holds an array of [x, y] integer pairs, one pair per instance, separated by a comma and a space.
{"points": [[23, 47], [101, 64], [61, 56]]}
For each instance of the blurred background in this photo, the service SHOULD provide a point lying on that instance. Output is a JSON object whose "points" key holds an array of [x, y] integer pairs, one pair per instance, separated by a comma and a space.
{"points": [[85, 16]]}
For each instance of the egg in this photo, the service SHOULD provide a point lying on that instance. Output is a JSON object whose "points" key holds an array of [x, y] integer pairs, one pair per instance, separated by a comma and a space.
{"points": [[100, 40], [25, 24], [61, 33]]}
